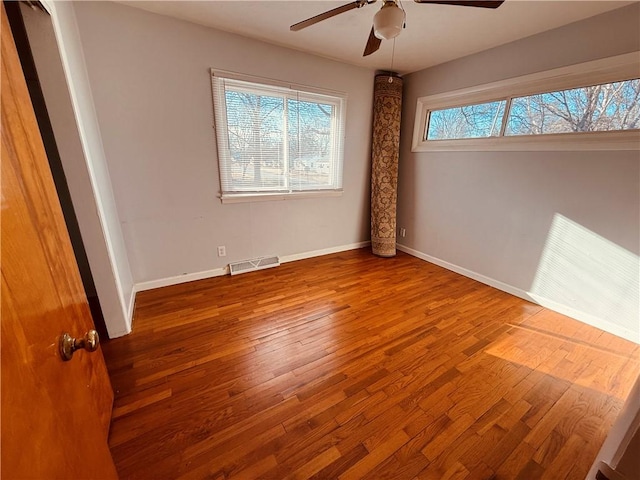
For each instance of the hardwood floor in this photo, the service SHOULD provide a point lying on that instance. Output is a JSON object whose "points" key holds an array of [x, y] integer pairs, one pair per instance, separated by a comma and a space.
{"points": [[351, 366]]}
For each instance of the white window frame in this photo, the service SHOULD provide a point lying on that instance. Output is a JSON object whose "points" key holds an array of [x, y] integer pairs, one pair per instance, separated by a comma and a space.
{"points": [[608, 70], [337, 99]]}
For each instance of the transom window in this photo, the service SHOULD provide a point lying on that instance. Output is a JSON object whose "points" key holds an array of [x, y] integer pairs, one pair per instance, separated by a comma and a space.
{"points": [[469, 121], [596, 108], [544, 111], [277, 140]]}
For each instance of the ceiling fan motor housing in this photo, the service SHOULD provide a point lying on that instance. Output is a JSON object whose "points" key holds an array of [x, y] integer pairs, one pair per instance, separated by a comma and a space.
{"points": [[389, 21]]}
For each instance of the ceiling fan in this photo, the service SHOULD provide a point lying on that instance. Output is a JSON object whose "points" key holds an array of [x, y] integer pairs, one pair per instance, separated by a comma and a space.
{"points": [[389, 20]]}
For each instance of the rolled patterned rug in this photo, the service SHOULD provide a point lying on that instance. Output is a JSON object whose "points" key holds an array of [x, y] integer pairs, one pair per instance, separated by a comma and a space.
{"points": [[387, 108]]}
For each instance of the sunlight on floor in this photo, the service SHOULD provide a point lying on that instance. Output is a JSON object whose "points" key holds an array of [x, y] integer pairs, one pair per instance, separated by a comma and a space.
{"points": [[592, 365]]}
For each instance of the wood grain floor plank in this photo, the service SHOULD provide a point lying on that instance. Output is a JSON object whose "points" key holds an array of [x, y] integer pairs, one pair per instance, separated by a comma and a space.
{"points": [[376, 456], [318, 463], [398, 466], [353, 366], [341, 464]]}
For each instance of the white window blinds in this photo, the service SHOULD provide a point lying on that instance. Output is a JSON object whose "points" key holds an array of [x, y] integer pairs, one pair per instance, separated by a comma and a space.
{"points": [[275, 138]]}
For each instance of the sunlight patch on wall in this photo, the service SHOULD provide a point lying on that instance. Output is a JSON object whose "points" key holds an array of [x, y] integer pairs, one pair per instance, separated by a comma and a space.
{"points": [[581, 270]]}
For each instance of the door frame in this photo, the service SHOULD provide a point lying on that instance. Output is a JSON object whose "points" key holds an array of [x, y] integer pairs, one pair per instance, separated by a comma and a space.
{"points": [[67, 89], [20, 37]]}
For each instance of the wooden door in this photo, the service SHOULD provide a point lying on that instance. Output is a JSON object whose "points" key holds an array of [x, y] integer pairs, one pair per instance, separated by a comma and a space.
{"points": [[55, 414]]}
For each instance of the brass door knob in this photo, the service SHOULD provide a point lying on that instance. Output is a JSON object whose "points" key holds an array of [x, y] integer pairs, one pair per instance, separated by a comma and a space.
{"points": [[68, 344]]}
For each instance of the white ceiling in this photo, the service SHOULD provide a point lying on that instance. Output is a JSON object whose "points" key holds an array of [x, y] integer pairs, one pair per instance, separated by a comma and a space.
{"points": [[434, 34]]}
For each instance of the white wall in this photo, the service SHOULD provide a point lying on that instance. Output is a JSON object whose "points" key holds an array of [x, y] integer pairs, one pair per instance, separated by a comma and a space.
{"points": [[548, 226], [150, 80], [619, 450], [69, 102]]}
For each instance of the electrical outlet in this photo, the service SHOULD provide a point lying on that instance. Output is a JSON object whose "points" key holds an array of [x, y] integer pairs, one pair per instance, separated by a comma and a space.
{"points": [[222, 251], [403, 232]]}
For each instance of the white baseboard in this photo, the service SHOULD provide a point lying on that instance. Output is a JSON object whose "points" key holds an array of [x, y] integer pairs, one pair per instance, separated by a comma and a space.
{"points": [[325, 251], [187, 277], [119, 333], [130, 308], [579, 315], [127, 312], [217, 272], [584, 317], [465, 272]]}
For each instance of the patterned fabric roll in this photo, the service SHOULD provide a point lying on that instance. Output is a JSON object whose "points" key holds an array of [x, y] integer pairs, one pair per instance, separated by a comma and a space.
{"points": [[387, 107]]}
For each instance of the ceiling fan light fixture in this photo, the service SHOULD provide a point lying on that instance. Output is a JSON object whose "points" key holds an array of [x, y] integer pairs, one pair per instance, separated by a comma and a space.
{"points": [[387, 23]]}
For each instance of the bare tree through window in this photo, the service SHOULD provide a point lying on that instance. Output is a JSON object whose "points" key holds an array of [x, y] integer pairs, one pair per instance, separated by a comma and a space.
{"points": [[280, 140], [255, 136], [606, 107], [611, 106], [470, 121]]}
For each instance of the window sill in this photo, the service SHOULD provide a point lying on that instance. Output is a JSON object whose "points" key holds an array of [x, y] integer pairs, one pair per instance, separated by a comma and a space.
{"points": [[269, 197], [625, 140]]}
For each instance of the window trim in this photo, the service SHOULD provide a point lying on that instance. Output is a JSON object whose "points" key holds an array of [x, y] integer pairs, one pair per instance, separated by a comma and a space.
{"points": [[268, 197], [337, 98], [612, 69]]}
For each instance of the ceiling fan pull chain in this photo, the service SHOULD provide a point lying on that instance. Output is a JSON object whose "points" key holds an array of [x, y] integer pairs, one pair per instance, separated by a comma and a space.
{"points": [[393, 52]]}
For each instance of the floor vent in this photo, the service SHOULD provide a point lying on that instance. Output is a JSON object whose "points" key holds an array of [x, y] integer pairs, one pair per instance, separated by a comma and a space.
{"points": [[254, 264]]}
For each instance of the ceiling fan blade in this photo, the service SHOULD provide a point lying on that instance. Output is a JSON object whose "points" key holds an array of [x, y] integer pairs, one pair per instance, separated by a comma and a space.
{"points": [[373, 44], [328, 14], [470, 3]]}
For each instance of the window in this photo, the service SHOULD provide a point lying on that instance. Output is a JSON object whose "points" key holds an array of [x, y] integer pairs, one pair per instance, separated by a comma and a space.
{"points": [[470, 121], [598, 108], [277, 140], [546, 111]]}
